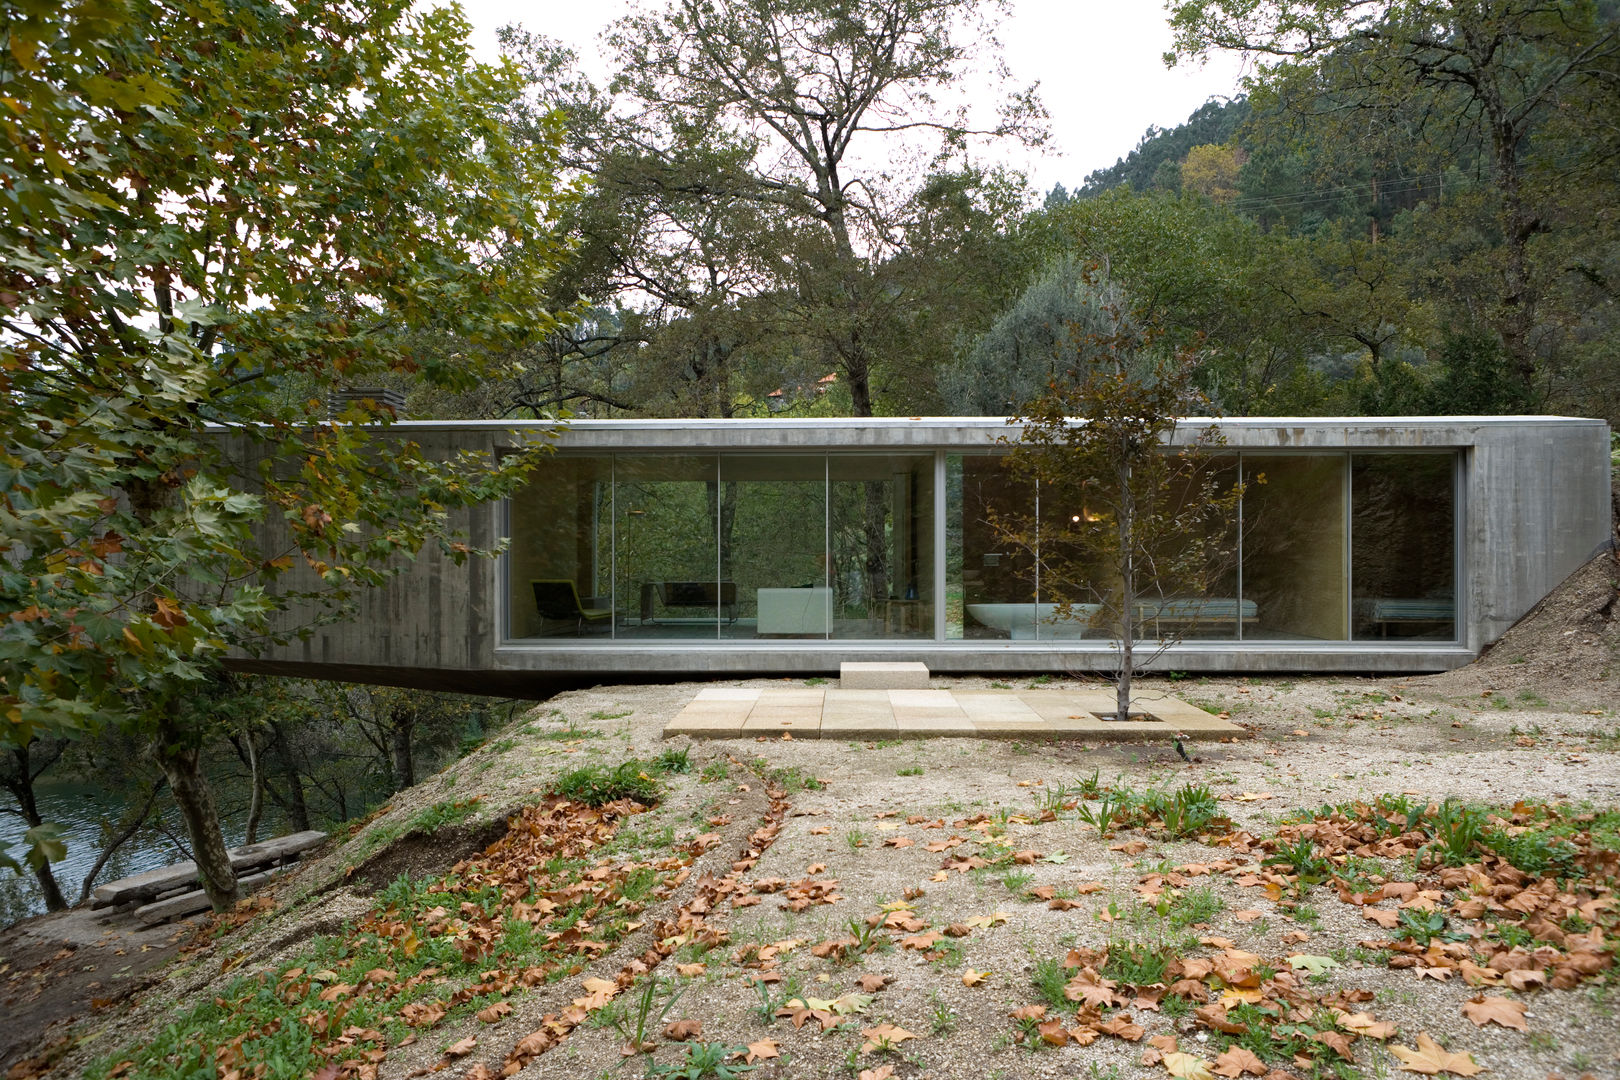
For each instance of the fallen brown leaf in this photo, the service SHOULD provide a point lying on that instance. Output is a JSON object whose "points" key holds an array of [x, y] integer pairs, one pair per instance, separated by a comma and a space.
{"points": [[682, 1030], [493, 1013], [1187, 1067], [1484, 1010], [1431, 1059], [883, 1036], [1237, 1061], [759, 1051]]}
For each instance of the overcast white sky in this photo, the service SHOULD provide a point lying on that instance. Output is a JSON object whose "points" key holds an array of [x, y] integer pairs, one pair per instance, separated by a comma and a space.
{"points": [[1098, 61]]}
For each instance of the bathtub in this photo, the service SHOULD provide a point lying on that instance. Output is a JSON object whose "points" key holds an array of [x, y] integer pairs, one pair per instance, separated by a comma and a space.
{"points": [[1026, 622]]}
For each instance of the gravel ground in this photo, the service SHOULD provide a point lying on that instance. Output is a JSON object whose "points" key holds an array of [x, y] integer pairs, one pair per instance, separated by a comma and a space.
{"points": [[1313, 741]]}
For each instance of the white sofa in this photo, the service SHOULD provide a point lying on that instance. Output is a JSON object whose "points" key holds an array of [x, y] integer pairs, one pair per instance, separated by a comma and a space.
{"points": [[795, 611]]}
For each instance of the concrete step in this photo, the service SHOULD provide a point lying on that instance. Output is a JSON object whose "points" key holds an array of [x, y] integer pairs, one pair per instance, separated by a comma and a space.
{"points": [[870, 675]]}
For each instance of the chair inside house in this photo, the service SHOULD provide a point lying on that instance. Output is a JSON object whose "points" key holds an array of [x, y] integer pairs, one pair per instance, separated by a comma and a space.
{"points": [[560, 607]]}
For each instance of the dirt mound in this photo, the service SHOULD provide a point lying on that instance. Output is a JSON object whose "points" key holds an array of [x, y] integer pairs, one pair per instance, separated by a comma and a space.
{"points": [[423, 854], [1567, 647]]}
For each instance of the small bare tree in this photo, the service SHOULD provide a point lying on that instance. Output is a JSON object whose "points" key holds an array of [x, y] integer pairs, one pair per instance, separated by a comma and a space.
{"points": [[1135, 519]]}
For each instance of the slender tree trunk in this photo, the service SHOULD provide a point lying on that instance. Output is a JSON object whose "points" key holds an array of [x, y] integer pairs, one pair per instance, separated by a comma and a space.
{"points": [[23, 790], [182, 766], [256, 799], [1127, 591], [297, 806], [132, 825], [402, 724], [875, 563], [294, 805], [1518, 226]]}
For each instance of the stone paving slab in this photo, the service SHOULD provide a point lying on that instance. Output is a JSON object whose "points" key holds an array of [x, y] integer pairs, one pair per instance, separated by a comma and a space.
{"points": [[996, 706], [810, 712], [795, 718], [728, 693]]}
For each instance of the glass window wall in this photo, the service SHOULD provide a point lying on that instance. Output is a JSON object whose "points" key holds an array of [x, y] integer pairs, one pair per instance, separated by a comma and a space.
{"points": [[881, 545], [773, 545], [560, 559], [990, 584], [1325, 547], [1402, 546], [1293, 547], [1190, 590], [665, 560]]}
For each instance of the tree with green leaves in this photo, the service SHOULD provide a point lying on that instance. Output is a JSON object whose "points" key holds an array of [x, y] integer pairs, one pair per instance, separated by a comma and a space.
{"points": [[1136, 516], [1487, 81], [210, 217], [826, 121]]}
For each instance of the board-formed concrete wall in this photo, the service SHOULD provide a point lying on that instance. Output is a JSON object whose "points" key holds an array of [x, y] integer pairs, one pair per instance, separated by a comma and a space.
{"points": [[1533, 506]]}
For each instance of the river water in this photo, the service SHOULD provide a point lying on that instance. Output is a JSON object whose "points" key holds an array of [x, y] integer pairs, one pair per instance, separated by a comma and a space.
{"points": [[80, 809]]}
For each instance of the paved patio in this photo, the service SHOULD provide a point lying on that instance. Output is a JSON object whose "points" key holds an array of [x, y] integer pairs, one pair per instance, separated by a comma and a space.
{"points": [[812, 712]]}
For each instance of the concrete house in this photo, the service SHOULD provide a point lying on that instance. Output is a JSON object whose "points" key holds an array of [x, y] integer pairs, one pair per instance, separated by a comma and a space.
{"points": [[686, 547]]}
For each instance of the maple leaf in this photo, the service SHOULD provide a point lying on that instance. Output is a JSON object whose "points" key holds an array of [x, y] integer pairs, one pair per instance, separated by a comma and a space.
{"points": [[462, 1048], [883, 1037], [1215, 1016], [882, 1072], [921, 941], [872, 983], [423, 1014], [1484, 1010], [1053, 1033], [492, 1013], [1524, 980], [1120, 1026], [1238, 1061], [985, 922], [1338, 1042], [1187, 1067], [1364, 1024], [974, 978], [759, 1051], [1240, 996], [1316, 965], [1431, 1059], [682, 1030], [690, 971]]}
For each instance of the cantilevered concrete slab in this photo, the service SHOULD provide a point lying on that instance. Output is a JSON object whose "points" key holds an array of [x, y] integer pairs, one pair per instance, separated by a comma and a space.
{"points": [[1531, 505], [811, 713]]}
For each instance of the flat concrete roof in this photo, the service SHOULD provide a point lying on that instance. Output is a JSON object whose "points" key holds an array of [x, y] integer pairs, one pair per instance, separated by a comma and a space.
{"points": [[819, 434]]}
